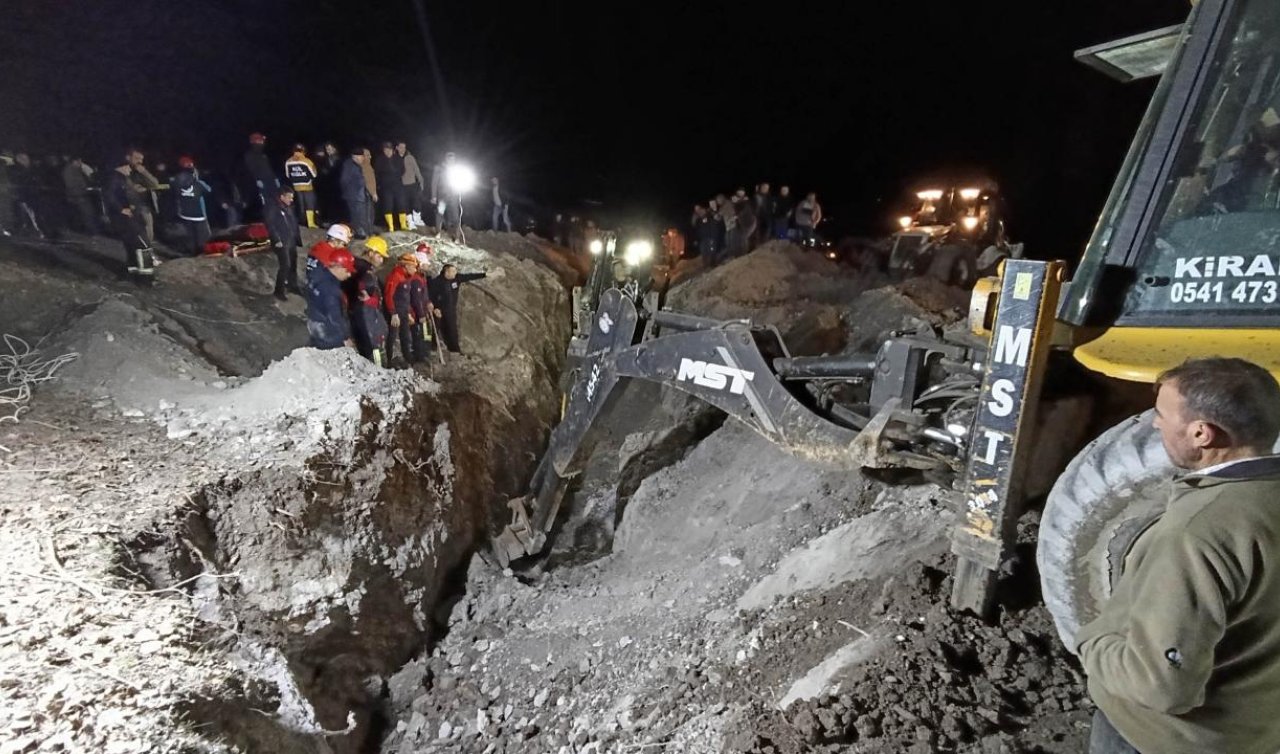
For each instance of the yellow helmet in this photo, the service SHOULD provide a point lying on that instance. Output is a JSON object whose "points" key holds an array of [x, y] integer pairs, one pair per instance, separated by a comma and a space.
{"points": [[378, 245]]}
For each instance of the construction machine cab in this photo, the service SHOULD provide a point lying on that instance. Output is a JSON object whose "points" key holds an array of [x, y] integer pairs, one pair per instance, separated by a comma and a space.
{"points": [[1185, 260]]}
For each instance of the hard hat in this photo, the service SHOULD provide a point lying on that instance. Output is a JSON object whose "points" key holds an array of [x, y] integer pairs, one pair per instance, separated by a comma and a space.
{"points": [[423, 258], [378, 245], [408, 257], [423, 247], [340, 232], [186, 163], [257, 138], [342, 258]]}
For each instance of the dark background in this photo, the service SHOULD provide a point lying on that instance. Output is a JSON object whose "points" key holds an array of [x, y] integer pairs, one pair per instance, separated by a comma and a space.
{"points": [[643, 107]]}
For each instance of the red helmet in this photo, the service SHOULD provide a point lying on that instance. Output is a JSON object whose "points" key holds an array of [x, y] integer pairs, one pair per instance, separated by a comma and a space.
{"points": [[186, 163], [257, 138], [424, 248], [342, 258]]}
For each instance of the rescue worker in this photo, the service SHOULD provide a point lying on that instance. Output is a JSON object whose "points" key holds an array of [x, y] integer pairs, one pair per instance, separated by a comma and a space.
{"points": [[1185, 656], [411, 187], [302, 174], [336, 239], [142, 185], [75, 182], [351, 185], [388, 171], [398, 302], [117, 197], [259, 182], [420, 304], [364, 291], [444, 297], [286, 238], [189, 191], [327, 305]]}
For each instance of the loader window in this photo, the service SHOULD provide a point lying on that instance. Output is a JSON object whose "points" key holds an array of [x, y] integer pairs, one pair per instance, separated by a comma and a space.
{"points": [[1214, 247]]}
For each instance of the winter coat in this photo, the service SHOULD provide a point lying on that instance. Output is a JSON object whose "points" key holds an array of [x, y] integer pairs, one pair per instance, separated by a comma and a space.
{"points": [[388, 172], [351, 182], [396, 298], [282, 224], [1185, 656], [444, 292], [412, 173], [116, 195], [808, 214], [74, 181], [370, 178], [189, 191], [327, 311], [259, 177], [364, 291]]}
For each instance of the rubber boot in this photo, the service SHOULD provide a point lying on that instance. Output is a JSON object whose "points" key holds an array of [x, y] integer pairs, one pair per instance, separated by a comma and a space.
{"points": [[404, 221], [311, 219], [391, 221]]}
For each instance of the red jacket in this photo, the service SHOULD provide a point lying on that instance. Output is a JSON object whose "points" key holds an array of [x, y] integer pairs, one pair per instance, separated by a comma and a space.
{"points": [[398, 277]]}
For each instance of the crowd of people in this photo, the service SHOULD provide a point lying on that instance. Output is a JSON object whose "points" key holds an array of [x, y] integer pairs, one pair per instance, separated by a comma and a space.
{"points": [[349, 305], [730, 226], [130, 199]]}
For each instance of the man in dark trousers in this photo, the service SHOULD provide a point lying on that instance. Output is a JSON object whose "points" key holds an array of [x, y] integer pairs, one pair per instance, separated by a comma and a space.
{"points": [[302, 174], [364, 291], [327, 304], [1185, 656], [388, 169], [117, 197], [259, 182], [75, 182], [190, 191], [354, 194], [398, 301], [286, 239], [444, 297]]}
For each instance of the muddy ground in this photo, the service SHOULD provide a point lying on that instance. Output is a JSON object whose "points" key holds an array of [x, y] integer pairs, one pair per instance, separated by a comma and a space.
{"points": [[215, 539]]}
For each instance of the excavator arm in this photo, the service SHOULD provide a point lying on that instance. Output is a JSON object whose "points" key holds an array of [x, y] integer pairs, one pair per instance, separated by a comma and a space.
{"points": [[722, 363]]}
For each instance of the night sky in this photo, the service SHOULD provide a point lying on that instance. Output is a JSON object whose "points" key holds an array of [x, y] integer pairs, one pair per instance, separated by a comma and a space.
{"points": [[646, 107]]}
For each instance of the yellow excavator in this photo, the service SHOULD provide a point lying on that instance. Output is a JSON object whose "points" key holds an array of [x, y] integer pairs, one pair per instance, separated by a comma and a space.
{"points": [[1184, 263]]}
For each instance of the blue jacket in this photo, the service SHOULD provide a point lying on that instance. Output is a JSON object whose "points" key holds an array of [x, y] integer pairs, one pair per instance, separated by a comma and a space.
{"points": [[351, 182], [326, 310]]}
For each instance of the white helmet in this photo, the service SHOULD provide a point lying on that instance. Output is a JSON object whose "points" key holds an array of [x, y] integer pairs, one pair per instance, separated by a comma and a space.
{"points": [[340, 232], [424, 259]]}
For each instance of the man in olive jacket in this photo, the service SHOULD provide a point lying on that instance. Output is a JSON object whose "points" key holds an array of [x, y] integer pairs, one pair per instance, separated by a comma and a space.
{"points": [[1185, 656]]}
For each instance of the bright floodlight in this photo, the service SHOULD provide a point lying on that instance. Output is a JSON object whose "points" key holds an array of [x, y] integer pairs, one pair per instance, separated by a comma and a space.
{"points": [[905, 221], [638, 252], [460, 178], [969, 194], [970, 223], [929, 195], [596, 246]]}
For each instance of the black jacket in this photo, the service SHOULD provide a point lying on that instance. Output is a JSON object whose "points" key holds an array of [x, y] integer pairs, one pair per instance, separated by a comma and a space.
{"points": [[115, 195], [190, 192], [351, 182], [257, 170], [388, 171], [444, 292], [283, 226]]}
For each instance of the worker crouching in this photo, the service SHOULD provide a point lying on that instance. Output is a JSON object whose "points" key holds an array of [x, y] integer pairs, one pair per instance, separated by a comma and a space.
{"points": [[368, 325]]}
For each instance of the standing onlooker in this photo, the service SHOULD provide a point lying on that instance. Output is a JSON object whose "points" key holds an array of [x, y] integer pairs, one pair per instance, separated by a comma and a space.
{"points": [[783, 206], [808, 215], [75, 181], [389, 174], [189, 192], [440, 188], [302, 174], [763, 203], [142, 188], [354, 192], [411, 187], [329, 164], [259, 182], [744, 226], [706, 236], [370, 188], [26, 190], [444, 297], [286, 239], [501, 210]]}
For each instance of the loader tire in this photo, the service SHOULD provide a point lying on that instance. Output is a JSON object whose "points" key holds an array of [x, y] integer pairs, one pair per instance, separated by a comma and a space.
{"points": [[1110, 492], [954, 264]]}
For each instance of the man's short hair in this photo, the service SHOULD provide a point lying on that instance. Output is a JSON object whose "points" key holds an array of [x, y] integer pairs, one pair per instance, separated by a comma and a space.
{"points": [[449, 267], [1237, 396]]}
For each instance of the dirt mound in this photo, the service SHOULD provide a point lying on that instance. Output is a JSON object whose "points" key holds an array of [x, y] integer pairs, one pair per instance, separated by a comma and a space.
{"points": [[572, 268]]}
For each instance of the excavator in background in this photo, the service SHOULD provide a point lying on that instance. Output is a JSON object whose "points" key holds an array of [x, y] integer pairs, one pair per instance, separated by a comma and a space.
{"points": [[955, 234], [1184, 263]]}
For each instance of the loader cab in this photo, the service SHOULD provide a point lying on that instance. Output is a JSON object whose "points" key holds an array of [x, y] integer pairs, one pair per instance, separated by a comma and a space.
{"points": [[1185, 261]]}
